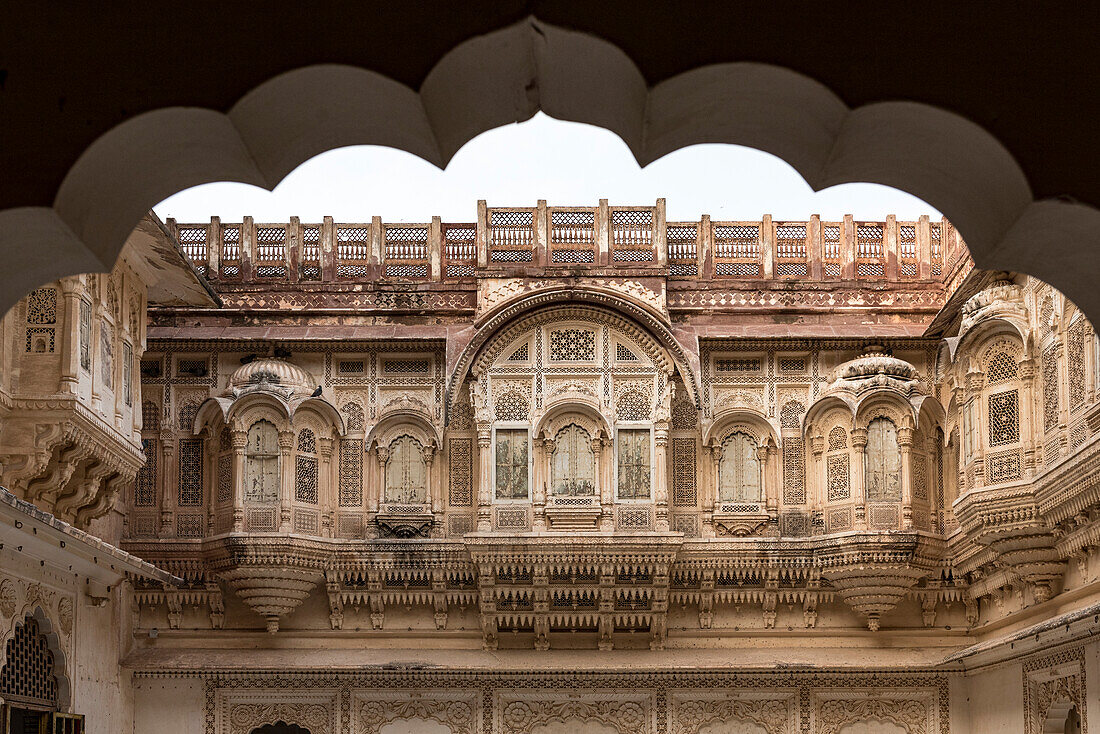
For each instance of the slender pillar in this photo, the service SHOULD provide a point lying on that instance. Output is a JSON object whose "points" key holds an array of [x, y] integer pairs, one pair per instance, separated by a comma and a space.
{"points": [[435, 497], [767, 247], [660, 476], [70, 336], [286, 476], [605, 485], [484, 476], [859, 446], [660, 234], [603, 234], [482, 234], [238, 439], [376, 494], [905, 449], [326, 486], [168, 478]]}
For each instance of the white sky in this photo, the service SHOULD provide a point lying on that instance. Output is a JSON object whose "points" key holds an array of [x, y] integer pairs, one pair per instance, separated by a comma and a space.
{"points": [[566, 163]]}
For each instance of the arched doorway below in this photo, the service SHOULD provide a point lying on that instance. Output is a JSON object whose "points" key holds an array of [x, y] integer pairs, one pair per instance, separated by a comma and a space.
{"points": [[280, 727]]}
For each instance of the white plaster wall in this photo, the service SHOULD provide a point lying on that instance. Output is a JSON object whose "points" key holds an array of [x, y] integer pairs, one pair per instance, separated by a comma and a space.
{"points": [[168, 706], [996, 700], [101, 690]]}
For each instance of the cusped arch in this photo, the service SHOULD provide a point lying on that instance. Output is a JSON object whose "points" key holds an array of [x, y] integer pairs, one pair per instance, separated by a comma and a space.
{"points": [[975, 340], [403, 423], [822, 407], [588, 416], [255, 406], [741, 420], [31, 609], [501, 331], [885, 404]]}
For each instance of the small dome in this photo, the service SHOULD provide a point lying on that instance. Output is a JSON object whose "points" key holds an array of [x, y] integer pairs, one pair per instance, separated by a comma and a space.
{"points": [[875, 360], [272, 373]]}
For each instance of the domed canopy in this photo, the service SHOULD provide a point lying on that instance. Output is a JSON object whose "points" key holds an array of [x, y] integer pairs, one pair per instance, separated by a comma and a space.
{"points": [[876, 367], [272, 374]]}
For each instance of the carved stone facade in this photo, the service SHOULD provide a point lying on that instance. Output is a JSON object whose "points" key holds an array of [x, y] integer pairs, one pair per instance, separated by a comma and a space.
{"points": [[458, 478]]}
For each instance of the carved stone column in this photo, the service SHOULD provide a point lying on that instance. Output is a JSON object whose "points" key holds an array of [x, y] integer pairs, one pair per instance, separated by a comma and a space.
{"points": [[434, 495], [859, 493], [541, 462], [70, 337], [1032, 449], [905, 449], [817, 480], [378, 495], [286, 477], [660, 472], [168, 479], [238, 439], [766, 455], [603, 483], [327, 482], [710, 493], [484, 477]]}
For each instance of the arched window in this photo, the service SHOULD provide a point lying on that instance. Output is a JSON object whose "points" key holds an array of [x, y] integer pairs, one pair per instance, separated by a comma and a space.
{"points": [[28, 677], [305, 468], [573, 466], [739, 470], [882, 462], [261, 465], [406, 473]]}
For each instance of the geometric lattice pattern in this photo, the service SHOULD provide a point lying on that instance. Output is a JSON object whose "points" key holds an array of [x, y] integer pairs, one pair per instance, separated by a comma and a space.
{"points": [[307, 442], [573, 345], [633, 405], [351, 472], [684, 415], [838, 439], [305, 479], [353, 416], [1050, 389], [684, 487], [794, 469], [42, 306], [145, 483], [1003, 467], [28, 676], [460, 462], [512, 406], [190, 472], [838, 477], [225, 477], [1075, 363], [1000, 367], [1004, 418], [920, 477]]}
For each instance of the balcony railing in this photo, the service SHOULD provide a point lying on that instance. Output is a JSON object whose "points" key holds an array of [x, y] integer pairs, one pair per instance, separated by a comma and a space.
{"points": [[542, 240]]}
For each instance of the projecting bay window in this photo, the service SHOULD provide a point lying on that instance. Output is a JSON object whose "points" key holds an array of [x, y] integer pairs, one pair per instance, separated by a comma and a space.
{"points": [[512, 465]]}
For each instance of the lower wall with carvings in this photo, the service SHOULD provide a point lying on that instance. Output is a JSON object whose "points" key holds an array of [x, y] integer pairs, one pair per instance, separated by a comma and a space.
{"points": [[559, 703], [84, 636]]}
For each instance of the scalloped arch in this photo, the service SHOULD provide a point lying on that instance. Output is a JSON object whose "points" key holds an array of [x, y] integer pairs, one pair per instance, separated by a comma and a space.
{"points": [[506, 76]]}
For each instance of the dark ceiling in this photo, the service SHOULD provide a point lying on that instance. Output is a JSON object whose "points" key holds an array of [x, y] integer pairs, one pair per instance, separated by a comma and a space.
{"points": [[1027, 72]]}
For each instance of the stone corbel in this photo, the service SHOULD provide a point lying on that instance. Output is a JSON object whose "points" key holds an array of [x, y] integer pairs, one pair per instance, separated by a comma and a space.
{"points": [[335, 602], [216, 603], [439, 598]]}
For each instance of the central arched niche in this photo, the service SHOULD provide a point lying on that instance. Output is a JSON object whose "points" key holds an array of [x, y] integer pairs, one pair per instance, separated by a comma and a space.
{"points": [[280, 727], [575, 401]]}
